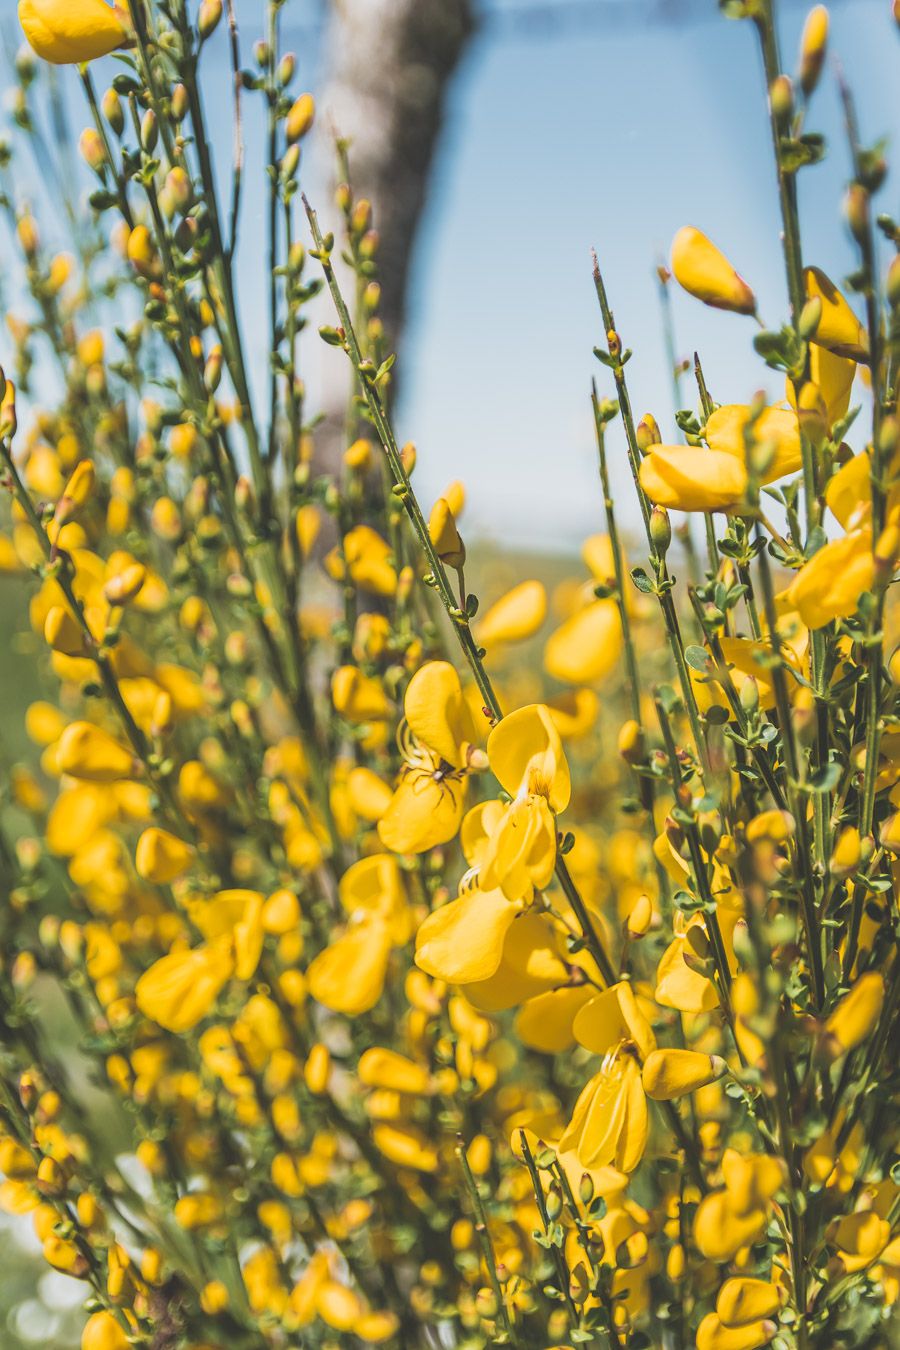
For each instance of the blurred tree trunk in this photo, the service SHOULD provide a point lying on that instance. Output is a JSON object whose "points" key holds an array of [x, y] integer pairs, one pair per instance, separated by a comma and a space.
{"points": [[388, 65]]}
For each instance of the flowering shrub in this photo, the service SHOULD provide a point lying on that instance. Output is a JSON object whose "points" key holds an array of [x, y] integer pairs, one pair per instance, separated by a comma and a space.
{"points": [[438, 1002]]}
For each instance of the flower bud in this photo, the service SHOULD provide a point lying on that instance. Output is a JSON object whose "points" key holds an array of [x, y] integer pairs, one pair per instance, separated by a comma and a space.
{"points": [[631, 742], [149, 131], [92, 149], [113, 111], [668, 1074], [781, 100], [647, 433], [179, 103], [660, 530], [813, 45], [212, 371], [856, 211], [208, 18], [810, 315], [637, 925], [445, 536]]}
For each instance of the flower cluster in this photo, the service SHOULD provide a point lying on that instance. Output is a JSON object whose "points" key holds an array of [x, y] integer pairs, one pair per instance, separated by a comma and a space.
{"points": [[381, 970]]}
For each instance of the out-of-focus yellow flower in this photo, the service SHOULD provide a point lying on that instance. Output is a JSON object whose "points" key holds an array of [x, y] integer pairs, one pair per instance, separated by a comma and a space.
{"points": [[87, 752], [855, 1016], [67, 32], [103, 1331], [517, 615], [706, 273], [713, 1334], [161, 857], [741, 1301], [348, 975], [181, 989], [734, 1217]]}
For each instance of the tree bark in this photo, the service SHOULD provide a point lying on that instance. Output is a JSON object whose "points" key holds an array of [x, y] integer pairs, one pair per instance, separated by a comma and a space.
{"points": [[388, 67]]}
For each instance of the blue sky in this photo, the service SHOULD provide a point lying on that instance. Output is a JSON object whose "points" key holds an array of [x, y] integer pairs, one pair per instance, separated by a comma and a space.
{"points": [[578, 136]]}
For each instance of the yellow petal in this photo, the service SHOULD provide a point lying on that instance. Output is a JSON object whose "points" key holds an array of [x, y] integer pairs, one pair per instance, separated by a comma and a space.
{"points": [[839, 329], [726, 428], [613, 1016], [587, 647], [719, 1231], [85, 751], [463, 941], [712, 1334], [348, 976], [746, 1300], [545, 1022], [383, 1068], [706, 273], [857, 1014], [437, 712], [526, 754], [531, 964], [520, 854], [692, 478], [833, 377], [180, 989], [849, 492], [161, 857], [829, 585], [668, 1074], [425, 811], [515, 616], [359, 697], [74, 31]]}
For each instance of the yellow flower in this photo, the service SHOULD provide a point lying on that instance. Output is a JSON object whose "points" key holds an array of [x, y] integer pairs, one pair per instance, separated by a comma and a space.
{"points": [[67, 32], [348, 975], [181, 989], [727, 427], [833, 378], [693, 478], [706, 273], [438, 743], [517, 615], [713, 1334], [103, 1332], [735, 1217], [860, 1239], [445, 536], [527, 758], [610, 1122], [587, 646], [462, 942], [89, 753], [855, 1016], [745, 1300], [161, 857], [374, 885]]}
